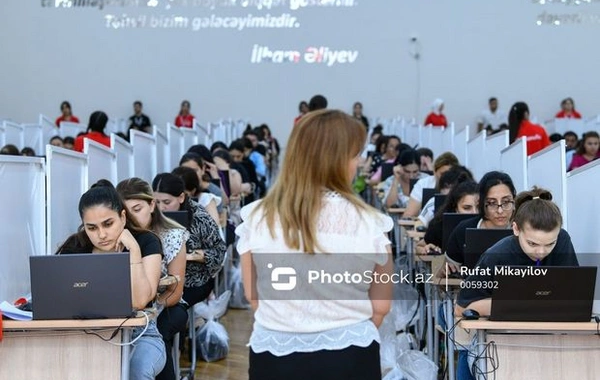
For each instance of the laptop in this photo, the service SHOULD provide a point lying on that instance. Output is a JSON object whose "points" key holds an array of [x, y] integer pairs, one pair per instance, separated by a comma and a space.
{"points": [[81, 286], [181, 217], [427, 195], [387, 170], [449, 223], [479, 240], [561, 294], [439, 201]]}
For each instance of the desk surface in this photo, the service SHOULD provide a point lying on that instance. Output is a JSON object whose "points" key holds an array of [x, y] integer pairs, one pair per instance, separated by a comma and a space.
{"points": [[416, 235], [529, 326], [396, 210], [72, 324], [407, 222]]}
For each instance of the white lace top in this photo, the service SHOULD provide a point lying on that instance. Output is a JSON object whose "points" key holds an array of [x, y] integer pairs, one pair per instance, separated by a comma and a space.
{"points": [[315, 314]]}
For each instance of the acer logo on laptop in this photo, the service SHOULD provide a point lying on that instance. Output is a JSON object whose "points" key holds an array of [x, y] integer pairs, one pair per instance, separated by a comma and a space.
{"points": [[543, 293], [80, 284]]}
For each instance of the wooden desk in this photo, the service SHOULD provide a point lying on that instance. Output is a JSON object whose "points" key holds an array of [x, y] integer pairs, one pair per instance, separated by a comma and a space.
{"points": [[539, 350], [62, 350], [396, 210]]}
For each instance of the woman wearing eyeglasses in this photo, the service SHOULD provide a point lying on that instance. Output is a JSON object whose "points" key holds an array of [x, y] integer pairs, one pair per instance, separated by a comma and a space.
{"points": [[496, 206]]}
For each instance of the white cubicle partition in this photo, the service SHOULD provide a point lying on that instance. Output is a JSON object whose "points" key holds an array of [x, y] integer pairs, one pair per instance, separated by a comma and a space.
{"points": [[144, 155], [102, 162], [176, 143], [494, 145], [13, 134], [547, 169], [220, 133], [436, 143], [163, 152], [513, 161], [448, 139], [2, 135], [68, 129], [50, 130], [476, 150], [460, 146], [190, 137], [203, 134], [564, 125], [22, 219], [584, 218], [33, 137], [124, 154], [414, 135], [67, 180]]}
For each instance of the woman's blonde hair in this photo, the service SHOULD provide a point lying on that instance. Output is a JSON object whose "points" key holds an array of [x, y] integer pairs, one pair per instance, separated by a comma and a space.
{"points": [[317, 156], [137, 188]]}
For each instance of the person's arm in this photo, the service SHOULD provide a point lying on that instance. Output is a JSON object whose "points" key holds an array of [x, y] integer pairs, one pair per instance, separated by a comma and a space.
{"points": [[249, 279], [237, 187], [145, 271], [176, 267], [213, 247], [211, 208], [392, 196], [380, 293], [413, 208]]}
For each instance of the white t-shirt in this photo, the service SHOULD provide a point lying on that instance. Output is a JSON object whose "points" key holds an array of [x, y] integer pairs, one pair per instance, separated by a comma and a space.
{"points": [[427, 212], [424, 183], [494, 119]]}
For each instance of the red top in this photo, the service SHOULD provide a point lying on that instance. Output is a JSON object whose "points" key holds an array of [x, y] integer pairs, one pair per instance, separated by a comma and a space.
{"points": [[537, 138], [96, 136], [572, 115], [186, 121], [437, 120], [72, 119]]}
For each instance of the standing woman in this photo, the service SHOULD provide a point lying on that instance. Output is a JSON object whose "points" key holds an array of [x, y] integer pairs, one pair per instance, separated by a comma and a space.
{"points": [[302, 110], [185, 118], [519, 126], [95, 131], [436, 117], [357, 112], [66, 114], [139, 201], [587, 150], [324, 331], [107, 227], [567, 110], [205, 247]]}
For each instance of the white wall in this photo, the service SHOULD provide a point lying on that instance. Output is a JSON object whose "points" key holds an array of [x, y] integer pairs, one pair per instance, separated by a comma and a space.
{"points": [[469, 51]]}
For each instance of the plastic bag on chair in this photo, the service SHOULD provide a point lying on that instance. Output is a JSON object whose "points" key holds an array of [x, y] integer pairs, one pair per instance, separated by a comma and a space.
{"points": [[236, 286], [417, 366], [404, 306], [395, 374], [212, 340]]}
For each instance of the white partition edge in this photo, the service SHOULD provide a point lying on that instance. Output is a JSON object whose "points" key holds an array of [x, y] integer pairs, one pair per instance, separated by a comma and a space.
{"points": [[10, 124], [520, 143], [114, 139], [563, 169], [152, 160], [49, 151], [39, 148], [166, 148], [113, 162]]}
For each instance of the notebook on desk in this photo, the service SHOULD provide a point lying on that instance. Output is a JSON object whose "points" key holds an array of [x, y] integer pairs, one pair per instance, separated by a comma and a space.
{"points": [[560, 294], [81, 286]]}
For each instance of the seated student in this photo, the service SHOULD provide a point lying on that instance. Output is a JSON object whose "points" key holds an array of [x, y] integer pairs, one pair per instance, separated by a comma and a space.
{"points": [[587, 151], [108, 227], [56, 141], [462, 199], [68, 143], [205, 247], [207, 173], [538, 240], [193, 190], [172, 318], [236, 151], [397, 187], [447, 181], [28, 151], [391, 153], [95, 131], [441, 165], [426, 160], [10, 150], [496, 205]]}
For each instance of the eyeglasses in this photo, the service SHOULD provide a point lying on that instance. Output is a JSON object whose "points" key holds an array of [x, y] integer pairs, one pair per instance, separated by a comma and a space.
{"points": [[506, 206]]}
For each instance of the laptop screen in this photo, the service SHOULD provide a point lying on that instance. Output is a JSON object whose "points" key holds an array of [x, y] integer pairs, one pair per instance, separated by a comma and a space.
{"points": [[181, 217], [479, 240], [81, 286], [449, 223]]}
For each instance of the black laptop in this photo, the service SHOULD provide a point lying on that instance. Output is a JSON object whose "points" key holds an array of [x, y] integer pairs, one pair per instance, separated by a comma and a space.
{"points": [[81, 286], [478, 240], [427, 195], [440, 199], [561, 294], [387, 170], [181, 217], [449, 223]]}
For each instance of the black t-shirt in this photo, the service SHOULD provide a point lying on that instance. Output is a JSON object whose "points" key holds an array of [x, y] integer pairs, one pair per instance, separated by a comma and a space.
{"points": [[455, 248], [434, 234], [508, 252], [139, 122]]}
